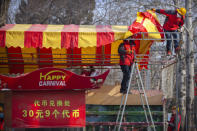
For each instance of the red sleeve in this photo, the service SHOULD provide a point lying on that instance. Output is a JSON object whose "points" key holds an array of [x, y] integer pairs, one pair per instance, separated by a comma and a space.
{"points": [[166, 12], [161, 11], [133, 48]]}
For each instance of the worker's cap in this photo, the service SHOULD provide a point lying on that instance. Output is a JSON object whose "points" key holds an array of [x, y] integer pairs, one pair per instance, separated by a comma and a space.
{"points": [[181, 11]]}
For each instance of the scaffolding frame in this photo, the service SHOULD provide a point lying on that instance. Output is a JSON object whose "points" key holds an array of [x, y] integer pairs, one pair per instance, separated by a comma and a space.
{"points": [[103, 61]]}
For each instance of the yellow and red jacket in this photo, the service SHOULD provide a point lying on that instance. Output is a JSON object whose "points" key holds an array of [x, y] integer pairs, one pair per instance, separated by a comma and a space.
{"points": [[172, 21], [126, 51]]}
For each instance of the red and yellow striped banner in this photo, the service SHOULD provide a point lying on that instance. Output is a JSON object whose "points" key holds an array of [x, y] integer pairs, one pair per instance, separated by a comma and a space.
{"points": [[56, 45], [59, 36], [147, 27]]}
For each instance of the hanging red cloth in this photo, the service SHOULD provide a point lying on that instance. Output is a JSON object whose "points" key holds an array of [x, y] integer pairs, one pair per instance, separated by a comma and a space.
{"points": [[1, 124]]}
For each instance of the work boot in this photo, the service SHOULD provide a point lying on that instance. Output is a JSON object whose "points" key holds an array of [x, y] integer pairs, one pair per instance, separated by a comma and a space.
{"points": [[123, 91]]}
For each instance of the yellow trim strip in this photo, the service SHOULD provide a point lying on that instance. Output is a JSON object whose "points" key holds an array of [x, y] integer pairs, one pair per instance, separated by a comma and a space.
{"points": [[15, 36], [59, 56], [52, 36], [88, 54], [29, 56], [87, 36], [4, 69]]}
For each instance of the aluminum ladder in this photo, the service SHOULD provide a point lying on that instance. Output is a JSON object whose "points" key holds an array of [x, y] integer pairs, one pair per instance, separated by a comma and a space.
{"points": [[142, 92]]}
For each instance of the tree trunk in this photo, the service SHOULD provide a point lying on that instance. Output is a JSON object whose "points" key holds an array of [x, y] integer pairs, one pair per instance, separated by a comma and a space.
{"points": [[167, 88], [189, 69], [3, 11], [182, 88], [181, 83]]}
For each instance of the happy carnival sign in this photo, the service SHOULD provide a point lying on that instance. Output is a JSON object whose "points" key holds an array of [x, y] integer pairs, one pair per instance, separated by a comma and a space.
{"points": [[51, 79], [49, 97], [48, 109]]}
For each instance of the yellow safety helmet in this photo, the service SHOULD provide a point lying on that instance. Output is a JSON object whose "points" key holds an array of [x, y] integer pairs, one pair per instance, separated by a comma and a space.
{"points": [[174, 108], [181, 11]]}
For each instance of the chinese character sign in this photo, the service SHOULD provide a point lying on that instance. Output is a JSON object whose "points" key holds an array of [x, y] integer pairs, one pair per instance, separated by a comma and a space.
{"points": [[48, 109]]}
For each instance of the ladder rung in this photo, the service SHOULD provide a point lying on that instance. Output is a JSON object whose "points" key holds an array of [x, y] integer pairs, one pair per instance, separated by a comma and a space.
{"points": [[121, 108], [141, 91]]}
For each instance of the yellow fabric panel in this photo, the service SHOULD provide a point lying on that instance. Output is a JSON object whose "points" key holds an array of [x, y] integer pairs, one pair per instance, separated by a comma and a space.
{"points": [[4, 69], [29, 56], [59, 56], [114, 51], [153, 14], [144, 46], [119, 32], [60, 66], [30, 68], [127, 34], [88, 54], [15, 35], [139, 17], [87, 36], [52, 36], [150, 27]]}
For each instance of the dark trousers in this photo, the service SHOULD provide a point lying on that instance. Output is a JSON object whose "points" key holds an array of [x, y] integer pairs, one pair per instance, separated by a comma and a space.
{"points": [[175, 37], [126, 70]]}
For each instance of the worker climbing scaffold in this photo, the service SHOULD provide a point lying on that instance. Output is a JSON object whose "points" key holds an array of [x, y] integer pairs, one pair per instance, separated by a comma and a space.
{"points": [[126, 51], [173, 24], [141, 45], [132, 71]]}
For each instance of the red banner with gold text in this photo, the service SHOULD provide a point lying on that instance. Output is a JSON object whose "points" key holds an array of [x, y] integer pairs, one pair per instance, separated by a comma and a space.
{"points": [[48, 109]]}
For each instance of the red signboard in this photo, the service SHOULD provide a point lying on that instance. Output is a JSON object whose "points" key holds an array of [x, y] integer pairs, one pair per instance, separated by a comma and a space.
{"points": [[195, 91], [48, 109], [52, 79]]}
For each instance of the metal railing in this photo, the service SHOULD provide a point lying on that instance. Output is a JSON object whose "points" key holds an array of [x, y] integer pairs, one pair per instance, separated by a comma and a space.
{"points": [[126, 126]]}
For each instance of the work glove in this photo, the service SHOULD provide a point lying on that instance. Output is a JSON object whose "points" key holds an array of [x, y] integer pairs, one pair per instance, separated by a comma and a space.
{"points": [[181, 29]]}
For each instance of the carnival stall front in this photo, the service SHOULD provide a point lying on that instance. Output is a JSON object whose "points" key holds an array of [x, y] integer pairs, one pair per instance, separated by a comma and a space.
{"points": [[47, 95]]}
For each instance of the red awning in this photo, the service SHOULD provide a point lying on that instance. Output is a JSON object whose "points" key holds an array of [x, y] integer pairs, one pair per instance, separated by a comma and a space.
{"points": [[59, 36], [25, 48]]}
